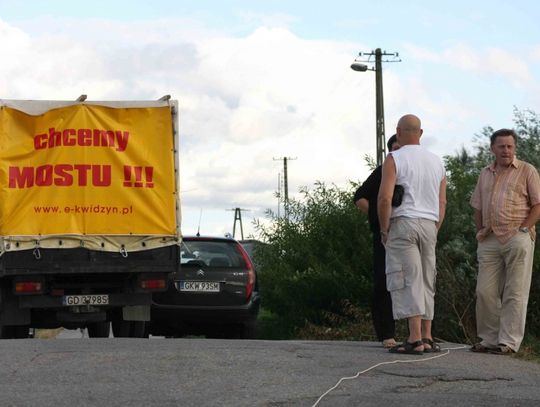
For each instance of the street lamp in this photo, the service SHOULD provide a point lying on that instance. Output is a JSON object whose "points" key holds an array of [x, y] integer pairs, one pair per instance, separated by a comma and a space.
{"points": [[379, 103]]}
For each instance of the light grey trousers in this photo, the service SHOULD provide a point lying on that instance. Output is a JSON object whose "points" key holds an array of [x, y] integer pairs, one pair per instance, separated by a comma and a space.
{"points": [[502, 289], [410, 267]]}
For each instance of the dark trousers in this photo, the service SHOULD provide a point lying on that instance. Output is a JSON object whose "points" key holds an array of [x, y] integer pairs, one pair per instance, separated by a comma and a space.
{"points": [[381, 306]]}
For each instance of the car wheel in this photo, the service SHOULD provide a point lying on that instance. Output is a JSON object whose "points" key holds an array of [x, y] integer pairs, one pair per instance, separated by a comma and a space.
{"points": [[249, 330], [236, 331], [99, 329]]}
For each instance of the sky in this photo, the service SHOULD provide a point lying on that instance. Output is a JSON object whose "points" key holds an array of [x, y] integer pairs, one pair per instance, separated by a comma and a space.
{"points": [[257, 81]]}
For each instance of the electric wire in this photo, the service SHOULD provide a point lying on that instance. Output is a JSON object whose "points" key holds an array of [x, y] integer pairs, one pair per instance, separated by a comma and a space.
{"points": [[385, 363]]}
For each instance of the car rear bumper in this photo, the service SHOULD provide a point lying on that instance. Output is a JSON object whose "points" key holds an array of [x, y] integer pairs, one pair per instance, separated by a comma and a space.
{"points": [[207, 314]]}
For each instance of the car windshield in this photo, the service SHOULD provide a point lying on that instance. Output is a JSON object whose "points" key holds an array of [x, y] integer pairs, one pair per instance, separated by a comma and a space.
{"points": [[210, 253]]}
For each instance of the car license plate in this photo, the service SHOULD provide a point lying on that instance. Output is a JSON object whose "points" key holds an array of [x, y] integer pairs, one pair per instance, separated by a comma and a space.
{"points": [[199, 286], [92, 299]]}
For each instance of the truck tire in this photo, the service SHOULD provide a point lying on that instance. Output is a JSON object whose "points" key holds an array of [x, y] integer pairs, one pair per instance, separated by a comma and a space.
{"points": [[21, 332], [138, 329], [129, 329], [121, 329], [99, 329], [14, 332]]}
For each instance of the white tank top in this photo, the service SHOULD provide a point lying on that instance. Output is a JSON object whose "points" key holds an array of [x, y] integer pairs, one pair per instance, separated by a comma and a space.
{"points": [[420, 172]]}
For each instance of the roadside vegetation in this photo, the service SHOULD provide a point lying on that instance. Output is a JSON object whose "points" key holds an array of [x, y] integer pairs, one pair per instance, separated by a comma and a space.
{"points": [[315, 271]]}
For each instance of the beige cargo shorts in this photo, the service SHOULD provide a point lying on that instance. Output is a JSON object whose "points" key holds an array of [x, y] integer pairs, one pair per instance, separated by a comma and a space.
{"points": [[410, 267]]}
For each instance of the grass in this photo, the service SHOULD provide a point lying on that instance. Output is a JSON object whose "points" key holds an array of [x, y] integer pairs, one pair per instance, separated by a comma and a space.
{"points": [[271, 326], [530, 349], [353, 324]]}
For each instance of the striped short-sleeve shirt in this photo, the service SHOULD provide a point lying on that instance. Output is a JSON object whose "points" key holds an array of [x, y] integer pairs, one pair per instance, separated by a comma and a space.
{"points": [[506, 198]]}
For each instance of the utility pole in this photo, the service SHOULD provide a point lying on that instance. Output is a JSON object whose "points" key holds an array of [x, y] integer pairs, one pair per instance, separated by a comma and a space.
{"points": [[285, 185], [238, 217], [379, 102], [379, 110], [278, 193]]}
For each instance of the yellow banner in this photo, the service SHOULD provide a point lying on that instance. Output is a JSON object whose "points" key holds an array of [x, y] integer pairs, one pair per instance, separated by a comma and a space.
{"points": [[87, 170]]}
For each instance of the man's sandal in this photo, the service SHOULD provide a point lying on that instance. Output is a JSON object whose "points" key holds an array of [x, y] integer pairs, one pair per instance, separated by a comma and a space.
{"points": [[479, 348], [433, 347], [407, 348], [502, 349]]}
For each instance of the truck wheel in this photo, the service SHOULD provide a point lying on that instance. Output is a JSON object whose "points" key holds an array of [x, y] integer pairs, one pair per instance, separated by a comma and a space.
{"points": [[121, 329], [21, 332], [138, 329], [129, 329], [14, 332], [99, 329]]}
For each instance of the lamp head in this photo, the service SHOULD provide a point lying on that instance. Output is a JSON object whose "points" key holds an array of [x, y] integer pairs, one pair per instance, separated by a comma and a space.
{"points": [[357, 66]]}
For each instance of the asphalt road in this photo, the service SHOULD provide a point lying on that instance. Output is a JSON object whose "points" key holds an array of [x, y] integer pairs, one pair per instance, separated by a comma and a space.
{"points": [[204, 372]]}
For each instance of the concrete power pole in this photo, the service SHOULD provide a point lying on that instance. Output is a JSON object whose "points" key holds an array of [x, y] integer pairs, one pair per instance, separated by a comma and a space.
{"points": [[285, 185], [379, 110], [278, 193], [379, 100]]}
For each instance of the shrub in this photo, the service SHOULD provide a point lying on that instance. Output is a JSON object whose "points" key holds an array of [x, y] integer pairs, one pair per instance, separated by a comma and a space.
{"points": [[317, 258]]}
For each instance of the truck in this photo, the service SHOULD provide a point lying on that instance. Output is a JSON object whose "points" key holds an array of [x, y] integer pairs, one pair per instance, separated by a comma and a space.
{"points": [[89, 213]]}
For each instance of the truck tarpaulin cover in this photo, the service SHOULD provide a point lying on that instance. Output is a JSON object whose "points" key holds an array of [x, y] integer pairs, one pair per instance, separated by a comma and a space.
{"points": [[87, 170]]}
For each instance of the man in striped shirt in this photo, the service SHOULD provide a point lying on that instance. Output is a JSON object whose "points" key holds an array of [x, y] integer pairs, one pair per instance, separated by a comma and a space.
{"points": [[507, 205]]}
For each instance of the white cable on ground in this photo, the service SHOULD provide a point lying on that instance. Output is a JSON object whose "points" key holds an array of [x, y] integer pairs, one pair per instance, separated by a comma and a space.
{"points": [[385, 363]]}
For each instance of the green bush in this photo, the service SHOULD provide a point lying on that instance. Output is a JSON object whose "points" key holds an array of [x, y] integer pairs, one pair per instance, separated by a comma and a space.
{"points": [[317, 258]]}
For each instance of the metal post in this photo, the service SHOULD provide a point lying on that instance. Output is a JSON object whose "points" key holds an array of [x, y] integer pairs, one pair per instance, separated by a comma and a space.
{"points": [[238, 217], [285, 189], [381, 151]]}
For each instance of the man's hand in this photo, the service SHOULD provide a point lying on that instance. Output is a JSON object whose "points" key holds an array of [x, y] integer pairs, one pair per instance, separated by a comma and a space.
{"points": [[384, 237]]}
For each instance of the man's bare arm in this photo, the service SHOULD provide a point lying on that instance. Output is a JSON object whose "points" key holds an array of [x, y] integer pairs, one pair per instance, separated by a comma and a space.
{"points": [[442, 202], [363, 205]]}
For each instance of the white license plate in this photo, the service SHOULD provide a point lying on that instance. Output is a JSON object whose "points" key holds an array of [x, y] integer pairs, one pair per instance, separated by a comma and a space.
{"points": [[199, 286], [91, 299]]}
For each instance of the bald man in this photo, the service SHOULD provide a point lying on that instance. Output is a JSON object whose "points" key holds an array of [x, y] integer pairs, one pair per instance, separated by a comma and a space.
{"points": [[409, 233]]}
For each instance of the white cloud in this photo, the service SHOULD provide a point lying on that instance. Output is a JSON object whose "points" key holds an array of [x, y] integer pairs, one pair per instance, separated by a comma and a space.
{"points": [[535, 53], [488, 61]]}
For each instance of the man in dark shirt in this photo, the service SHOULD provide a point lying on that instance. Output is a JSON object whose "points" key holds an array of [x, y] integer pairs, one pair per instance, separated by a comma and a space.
{"points": [[365, 199]]}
